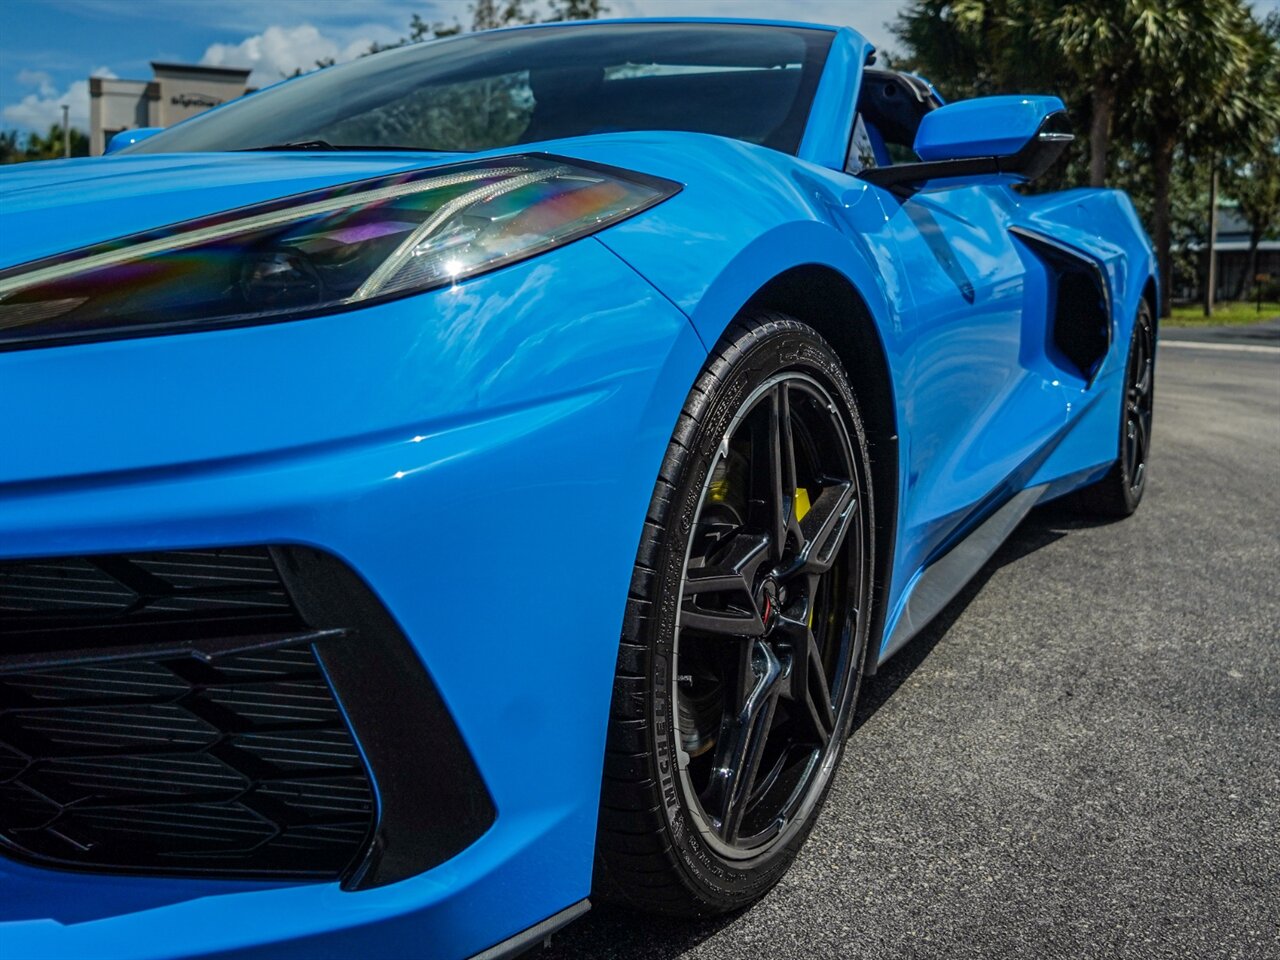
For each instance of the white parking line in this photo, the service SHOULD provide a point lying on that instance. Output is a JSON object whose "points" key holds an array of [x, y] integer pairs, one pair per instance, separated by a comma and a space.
{"points": [[1243, 347]]}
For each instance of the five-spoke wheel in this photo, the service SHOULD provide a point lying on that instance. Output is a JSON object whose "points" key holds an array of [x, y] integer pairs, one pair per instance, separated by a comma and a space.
{"points": [[745, 632], [763, 644]]}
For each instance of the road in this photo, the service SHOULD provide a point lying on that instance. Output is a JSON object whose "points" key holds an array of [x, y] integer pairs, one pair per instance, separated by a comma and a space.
{"points": [[1081, 756]]}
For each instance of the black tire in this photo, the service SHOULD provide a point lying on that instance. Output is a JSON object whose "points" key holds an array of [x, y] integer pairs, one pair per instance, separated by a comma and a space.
{"points": [[658, 848], [1118, 494]]}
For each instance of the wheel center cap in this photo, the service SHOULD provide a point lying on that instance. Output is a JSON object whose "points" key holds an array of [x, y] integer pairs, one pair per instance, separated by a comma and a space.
{"points": [[769, 599]]}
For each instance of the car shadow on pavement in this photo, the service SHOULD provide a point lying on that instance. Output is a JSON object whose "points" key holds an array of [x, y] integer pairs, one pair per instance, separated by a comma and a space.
{"points": [[608, 931], [1042, 526]]}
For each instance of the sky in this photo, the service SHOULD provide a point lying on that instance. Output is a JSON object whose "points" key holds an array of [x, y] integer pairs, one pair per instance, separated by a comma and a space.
{"points": [[49, 48]]}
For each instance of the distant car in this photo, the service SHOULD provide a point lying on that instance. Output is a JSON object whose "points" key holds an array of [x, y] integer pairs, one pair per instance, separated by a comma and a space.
{"points": [[395, 455]]}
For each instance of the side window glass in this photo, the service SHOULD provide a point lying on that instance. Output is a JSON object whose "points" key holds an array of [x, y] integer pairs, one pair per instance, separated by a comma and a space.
{"points": [[862, 154]]}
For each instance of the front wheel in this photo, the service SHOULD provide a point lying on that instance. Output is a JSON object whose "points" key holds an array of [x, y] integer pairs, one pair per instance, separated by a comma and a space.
{"points": [[746, 629]]}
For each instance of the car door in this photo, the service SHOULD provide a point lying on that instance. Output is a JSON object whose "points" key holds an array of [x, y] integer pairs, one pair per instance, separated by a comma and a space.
{"points": [[975, 409]]}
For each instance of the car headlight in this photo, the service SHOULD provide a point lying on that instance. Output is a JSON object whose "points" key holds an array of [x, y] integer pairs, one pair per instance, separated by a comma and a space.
{"points": [[319, 252]]}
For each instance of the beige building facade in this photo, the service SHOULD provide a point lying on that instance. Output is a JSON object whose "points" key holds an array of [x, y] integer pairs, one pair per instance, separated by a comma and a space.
{"points": [[177, 91]]}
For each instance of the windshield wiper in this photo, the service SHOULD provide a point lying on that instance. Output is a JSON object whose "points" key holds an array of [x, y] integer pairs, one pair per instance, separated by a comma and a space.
{"points": [[294, 145], [326, 145], [397, 148]]}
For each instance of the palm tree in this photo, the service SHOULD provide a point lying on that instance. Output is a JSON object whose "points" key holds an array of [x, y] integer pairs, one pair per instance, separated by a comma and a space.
{"points": [[1195, 64], [1092, 36], [1253, 177]]}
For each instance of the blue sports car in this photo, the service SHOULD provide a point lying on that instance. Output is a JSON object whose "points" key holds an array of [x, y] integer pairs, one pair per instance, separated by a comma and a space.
{"points": [[475, 478]]}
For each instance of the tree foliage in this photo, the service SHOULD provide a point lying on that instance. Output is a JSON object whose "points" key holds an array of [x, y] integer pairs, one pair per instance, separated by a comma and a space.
{"points": [[16, 147], [575, 10], [492, 14], [1253, 173]]}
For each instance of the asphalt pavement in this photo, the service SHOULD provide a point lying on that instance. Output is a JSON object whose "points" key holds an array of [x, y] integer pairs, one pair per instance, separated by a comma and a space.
{"points": [[1081, 756]]}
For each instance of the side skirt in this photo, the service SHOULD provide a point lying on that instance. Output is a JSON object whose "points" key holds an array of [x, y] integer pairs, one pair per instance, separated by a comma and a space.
{"points": [[939, 583]]}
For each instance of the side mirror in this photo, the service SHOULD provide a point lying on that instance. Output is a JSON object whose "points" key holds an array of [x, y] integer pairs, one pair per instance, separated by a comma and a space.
{"points": [[127, 138], [1009, 139]]}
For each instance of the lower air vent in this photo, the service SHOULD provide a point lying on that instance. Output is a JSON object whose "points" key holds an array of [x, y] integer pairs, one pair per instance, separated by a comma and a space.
{"points": [[166, 714]]}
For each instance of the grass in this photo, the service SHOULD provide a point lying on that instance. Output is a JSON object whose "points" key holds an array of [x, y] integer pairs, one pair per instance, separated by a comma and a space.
{"points": [[1224, 314]]}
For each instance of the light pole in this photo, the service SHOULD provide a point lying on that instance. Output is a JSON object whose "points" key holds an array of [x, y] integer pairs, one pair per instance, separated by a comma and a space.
{"points": [[66, 132]]}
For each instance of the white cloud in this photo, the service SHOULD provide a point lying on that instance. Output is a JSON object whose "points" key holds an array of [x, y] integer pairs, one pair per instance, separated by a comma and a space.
{"points": [[277, 51], [43, 108], [36, 78]]}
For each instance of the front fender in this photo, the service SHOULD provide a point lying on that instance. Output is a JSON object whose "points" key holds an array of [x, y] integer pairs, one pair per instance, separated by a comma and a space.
{"points": [[722, 238], [712, 298]]}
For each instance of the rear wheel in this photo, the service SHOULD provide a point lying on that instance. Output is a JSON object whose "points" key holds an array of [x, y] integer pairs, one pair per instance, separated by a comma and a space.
{"points": [[745, 634], [1120, 491]]}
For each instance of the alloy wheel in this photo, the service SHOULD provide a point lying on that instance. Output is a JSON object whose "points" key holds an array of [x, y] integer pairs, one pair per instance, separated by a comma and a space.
{"points": [[772, 590]]}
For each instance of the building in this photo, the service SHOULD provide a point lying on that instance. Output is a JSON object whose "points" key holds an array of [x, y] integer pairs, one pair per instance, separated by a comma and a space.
{"points": [[1239, 277], [178, 91], [1235, 280]]}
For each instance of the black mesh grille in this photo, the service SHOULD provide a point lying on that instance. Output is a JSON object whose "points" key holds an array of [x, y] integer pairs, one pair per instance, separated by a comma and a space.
{"points": [[165, 713], [140, 598]]}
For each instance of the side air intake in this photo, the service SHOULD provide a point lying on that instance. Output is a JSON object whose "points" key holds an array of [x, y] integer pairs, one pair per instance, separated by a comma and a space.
{"points": [[1079, 305]]}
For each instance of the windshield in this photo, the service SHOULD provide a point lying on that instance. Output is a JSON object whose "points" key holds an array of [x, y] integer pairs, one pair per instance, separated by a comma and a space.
{"points": [[490, 90]]}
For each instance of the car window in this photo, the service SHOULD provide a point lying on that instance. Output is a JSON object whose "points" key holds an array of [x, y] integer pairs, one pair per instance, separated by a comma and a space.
{"points": [[862, 150], [496, 89]]}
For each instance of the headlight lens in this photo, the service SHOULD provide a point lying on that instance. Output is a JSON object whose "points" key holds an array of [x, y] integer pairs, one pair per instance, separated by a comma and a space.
{"points": [[319, 252]]}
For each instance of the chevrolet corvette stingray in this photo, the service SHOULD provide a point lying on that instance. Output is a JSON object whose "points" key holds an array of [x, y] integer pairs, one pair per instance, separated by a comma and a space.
{"points": [[473, 479]]}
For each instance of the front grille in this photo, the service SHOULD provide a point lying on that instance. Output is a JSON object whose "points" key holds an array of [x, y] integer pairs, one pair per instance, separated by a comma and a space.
{"points": [[166, 713], [138, 598]]}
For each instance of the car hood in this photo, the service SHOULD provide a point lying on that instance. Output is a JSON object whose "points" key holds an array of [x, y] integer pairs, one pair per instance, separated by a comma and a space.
{"points": [[52, 207]]}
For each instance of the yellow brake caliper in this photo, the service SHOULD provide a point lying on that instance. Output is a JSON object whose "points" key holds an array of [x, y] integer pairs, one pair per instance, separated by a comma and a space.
{"points": [[802, 503]]}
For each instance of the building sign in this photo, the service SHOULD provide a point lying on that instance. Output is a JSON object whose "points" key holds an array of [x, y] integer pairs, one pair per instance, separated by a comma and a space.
{"points": [[202, 100]]}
